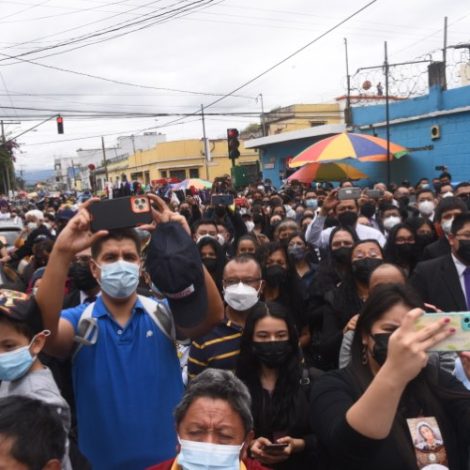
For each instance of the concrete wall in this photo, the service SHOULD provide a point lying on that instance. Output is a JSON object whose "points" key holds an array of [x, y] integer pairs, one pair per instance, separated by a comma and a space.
{"points": [[411, 123]]}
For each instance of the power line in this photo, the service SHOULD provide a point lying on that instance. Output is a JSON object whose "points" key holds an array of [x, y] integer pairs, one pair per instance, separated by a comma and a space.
{"points": [[120, 82], [152, 20]]}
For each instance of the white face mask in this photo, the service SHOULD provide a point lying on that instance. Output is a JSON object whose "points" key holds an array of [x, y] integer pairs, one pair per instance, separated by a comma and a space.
{"points": [[426, 207], [447, 194], [208, 456], [221, 239], [447, 225], [391, 221], [32, 226], [214, 237], [241, 297], [250, 225]]}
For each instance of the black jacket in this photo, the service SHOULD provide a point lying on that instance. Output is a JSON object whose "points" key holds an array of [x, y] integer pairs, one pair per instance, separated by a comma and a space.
{"points": [[343, 448], [436, 249], [438, 283]]}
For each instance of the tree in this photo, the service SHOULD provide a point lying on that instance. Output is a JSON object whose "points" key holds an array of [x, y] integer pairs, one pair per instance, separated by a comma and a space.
{"points": [[7, 176]]}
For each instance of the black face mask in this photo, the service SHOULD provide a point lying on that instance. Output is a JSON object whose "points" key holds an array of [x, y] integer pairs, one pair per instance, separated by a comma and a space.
{"points": [[210, 264], [424, 240], [464, 251], [363, 268], [368, 210], [379, 351], [82, 277], [347, 219], [331, 222], [342, 255], [186, 213], [404, 201], [406, 251], [275, 275], [272, 354], [220, 211]]}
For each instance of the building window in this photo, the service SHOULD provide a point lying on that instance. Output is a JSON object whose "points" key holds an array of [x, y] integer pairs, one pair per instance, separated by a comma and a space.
{"points": [[180, 174], [194, 172], [163, 173]]}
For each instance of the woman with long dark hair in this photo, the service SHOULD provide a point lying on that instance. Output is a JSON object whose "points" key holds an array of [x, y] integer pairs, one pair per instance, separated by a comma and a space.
{"points": [[270, 365], [401, 248], [367, 416], [280, 286], [213, 258], [342, 303]]}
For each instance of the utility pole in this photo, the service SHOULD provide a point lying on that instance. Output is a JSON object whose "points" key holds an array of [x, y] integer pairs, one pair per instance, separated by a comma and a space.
{"points": [[263, 122], [348, 113], [206, 145], [387, 112], [444, 54], [105, 162]]}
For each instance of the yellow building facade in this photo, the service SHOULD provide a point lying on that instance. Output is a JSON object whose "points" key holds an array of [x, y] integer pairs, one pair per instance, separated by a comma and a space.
{"points": [[180, 159], [301, 116]]}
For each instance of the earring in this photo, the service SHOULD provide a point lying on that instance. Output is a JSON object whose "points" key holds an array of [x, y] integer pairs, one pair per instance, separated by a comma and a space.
{"points": [[365, 359]]}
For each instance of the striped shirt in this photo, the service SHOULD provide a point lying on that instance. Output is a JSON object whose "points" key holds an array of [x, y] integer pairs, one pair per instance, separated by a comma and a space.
{"points": [[218, 349]]}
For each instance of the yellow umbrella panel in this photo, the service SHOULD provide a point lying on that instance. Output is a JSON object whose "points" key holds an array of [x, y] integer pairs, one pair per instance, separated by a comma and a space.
{"points": [[326, 172]]}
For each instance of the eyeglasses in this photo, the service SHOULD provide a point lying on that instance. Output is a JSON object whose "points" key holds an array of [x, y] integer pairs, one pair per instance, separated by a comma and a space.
{"points": [[251, 281], [367, 254], [341, 243], [403, 240]]}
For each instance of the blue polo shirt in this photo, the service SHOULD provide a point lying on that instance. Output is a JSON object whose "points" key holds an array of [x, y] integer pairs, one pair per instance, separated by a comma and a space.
{"points": [[126, 388]]}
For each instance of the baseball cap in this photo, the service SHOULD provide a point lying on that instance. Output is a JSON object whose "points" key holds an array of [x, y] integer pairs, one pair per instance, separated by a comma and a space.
{"points": [[21, 308], [175, 267]]}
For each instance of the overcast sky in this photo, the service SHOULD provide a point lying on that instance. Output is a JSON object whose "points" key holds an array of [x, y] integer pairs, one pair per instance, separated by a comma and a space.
{"points": [[207, 46]]}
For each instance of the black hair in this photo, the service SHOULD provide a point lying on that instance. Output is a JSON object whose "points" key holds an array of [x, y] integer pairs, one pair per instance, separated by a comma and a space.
{"points": [[368, 240], [200, 222], [391, 251], [250, 238], [445, 174], [448, 204], [424, 190], [35, 429], [220, 257], [459, 222], [118, 235], [423, 391], [21, 327], [463, 184], [288, 382], [342, 228]]}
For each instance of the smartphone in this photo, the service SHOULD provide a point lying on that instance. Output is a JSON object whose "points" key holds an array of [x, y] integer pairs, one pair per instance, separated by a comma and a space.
{"points": [[122, 212], [222, 199], [274, 448], [349, 193], [375, 193], [460, 340]]}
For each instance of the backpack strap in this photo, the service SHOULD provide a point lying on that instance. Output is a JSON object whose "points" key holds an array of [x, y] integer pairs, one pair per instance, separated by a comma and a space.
{"points": [[161, 315], [87, 330]]}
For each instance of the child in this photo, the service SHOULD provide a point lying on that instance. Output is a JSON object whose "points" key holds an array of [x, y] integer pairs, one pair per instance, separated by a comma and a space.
{"points": [[21, 372]]}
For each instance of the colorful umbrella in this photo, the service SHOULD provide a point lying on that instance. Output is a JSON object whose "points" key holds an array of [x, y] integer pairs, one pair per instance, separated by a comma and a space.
{"points": [[363, 147], [326, 172], [197, 183]]}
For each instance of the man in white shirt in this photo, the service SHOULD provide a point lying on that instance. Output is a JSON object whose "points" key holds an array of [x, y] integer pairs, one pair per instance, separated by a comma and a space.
{"points": [[346, 211]]}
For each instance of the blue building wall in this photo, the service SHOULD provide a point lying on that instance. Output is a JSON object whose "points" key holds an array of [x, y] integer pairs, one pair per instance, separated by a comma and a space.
{"points": [[452, 149]]}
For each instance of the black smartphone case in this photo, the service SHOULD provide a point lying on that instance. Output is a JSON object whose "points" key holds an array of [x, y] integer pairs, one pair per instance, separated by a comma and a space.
{"points": [[123, 212]]}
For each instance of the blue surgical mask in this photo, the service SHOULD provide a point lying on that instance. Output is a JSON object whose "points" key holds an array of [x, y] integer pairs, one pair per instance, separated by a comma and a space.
{"points": [[15, 364], [207, 456], [311, 203], [119, 279]]}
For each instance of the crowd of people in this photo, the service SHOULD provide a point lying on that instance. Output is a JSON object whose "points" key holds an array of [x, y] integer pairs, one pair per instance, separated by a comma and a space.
{"points": [[276, 330]]}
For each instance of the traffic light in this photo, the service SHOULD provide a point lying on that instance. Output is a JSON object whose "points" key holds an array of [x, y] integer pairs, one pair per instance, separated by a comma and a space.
{"points": [[60, 124], [233, 143]]}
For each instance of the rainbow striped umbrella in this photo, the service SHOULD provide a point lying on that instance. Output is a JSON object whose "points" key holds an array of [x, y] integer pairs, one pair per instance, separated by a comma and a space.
{"points": [[197, 183], [363, 147], [329, 171]]}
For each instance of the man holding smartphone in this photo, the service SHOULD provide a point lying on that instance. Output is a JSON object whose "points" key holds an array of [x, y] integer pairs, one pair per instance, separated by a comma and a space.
{"points": [[127, 376]]}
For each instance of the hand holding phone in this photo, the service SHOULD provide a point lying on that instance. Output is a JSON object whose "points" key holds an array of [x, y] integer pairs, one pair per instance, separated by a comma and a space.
{"points": [[275, 448]]}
